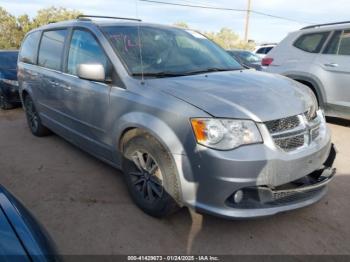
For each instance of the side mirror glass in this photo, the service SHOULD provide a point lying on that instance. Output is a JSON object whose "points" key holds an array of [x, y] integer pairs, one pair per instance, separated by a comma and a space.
{"points": [[94, 72]]}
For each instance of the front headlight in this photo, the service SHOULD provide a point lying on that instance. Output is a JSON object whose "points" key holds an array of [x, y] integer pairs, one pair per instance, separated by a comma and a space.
{"points": [[225, 134]]}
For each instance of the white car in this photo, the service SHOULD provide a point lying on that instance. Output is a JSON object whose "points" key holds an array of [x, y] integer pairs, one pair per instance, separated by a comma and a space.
{"points": [[262, 50], [319, 57]]}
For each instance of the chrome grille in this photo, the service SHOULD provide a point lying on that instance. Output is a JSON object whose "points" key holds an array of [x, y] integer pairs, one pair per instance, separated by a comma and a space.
{"points": [[294, 132], [290, 143], [282, 124]]}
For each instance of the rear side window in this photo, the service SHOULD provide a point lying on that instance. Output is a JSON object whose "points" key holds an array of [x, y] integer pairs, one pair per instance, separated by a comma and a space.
{"points": [[84, 49], [268, 49], [29, 48], [339, 43], [51, 49], [261, 50], [311, 43]]}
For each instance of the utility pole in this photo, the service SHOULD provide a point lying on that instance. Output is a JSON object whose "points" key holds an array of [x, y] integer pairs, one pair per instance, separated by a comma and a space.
{"points": [[247, 22]]}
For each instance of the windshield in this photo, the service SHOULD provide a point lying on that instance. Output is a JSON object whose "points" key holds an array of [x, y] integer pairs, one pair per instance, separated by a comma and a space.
{"points": [[8, 60], [167, 51]]}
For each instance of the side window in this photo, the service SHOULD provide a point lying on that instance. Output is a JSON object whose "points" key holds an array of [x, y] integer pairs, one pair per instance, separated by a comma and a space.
{"points": [[51, 49], [261, 50], [311, 43], [344, 47], [333, 45], [268, 49], [339, 44], [84, 49], [29, 48]]}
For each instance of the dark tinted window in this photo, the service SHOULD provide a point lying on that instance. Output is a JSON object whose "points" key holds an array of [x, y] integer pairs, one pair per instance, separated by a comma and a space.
{"points": [[333, 44], [261, 50], [311, 43], [84, 49], [29, 48], [8, 60], [268, 49], [51, 49]]}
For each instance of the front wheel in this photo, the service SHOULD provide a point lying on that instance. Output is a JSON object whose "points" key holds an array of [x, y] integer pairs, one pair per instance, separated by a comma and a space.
{"points": [[33, 119], [151, 176]]}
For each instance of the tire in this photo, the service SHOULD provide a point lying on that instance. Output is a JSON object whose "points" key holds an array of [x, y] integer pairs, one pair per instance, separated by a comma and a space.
{"points": [[33, 119], [4, 105], [152, 183]]}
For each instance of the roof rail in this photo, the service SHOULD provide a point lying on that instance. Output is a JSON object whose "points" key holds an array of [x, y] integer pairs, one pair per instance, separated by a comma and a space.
{"points": [[86, 18], [327, 24]]}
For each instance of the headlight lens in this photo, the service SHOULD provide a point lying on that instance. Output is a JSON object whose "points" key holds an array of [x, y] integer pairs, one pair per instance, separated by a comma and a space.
{"points": [[225, 134]]}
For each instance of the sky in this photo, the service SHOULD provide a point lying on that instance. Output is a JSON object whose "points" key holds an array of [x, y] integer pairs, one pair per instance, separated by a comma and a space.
{"points": [[262, 29]]}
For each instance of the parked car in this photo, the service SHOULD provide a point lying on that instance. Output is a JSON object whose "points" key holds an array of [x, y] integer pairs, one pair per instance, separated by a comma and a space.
{"points": [[263, 50], [183, 120], [246, 58], [22, 238], [318, 57], [9, 96]]}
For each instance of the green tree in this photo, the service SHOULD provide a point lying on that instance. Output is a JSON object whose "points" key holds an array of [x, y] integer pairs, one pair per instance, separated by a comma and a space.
{"points": [[228, 39], [9, 31], [181, 24], [12, 29]]}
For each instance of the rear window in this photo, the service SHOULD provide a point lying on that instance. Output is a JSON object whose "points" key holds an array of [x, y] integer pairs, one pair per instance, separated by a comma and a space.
{"points": [[29, 48], [51, 49], [8, 60], [339, 43], [311, 43]]}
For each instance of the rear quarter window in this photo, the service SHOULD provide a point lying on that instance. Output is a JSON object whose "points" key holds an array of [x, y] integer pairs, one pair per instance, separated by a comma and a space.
{"points": [[311, 43], [29, 48]]}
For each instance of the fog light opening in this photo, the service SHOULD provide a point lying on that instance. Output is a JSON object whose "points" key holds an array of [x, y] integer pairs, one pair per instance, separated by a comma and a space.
{"points": [[238, 196]]}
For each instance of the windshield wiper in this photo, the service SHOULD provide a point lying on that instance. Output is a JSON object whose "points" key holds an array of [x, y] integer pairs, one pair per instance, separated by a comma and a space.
{"points": [[210, 70], [159, 74]]}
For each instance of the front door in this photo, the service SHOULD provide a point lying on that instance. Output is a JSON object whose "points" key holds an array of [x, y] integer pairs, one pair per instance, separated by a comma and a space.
{"points": [[86, 102]]}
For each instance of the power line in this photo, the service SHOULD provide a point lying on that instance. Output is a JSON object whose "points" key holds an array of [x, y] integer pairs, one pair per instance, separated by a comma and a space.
{"points": [[226, 9]]}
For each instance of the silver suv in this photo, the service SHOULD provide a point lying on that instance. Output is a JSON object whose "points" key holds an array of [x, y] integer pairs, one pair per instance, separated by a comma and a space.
{"points": [[183, 120], [319, 57]]}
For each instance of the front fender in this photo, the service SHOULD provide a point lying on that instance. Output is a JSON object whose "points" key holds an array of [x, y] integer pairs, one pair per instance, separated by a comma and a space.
{"points": [[153, 125]]}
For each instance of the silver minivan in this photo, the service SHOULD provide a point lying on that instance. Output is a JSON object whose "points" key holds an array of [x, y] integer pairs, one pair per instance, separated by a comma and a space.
{"points": [[184, 121]]}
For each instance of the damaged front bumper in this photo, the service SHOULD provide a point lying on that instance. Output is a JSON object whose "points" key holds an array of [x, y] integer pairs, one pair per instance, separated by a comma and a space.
{"points": [[259, 200]]}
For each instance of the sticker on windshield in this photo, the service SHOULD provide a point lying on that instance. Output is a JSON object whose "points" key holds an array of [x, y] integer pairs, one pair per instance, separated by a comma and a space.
{"points": [[195, 34]]}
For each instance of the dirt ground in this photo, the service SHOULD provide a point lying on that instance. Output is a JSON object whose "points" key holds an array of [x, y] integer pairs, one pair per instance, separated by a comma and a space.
{"points": [[85, 207]]}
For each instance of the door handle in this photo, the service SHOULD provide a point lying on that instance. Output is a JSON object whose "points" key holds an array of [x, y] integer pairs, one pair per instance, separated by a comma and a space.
{"points": [[53, 83], [66, 88], [331, 65]]}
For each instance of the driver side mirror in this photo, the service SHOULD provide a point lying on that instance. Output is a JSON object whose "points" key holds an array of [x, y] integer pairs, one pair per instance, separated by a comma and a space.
{"points": [[94, 72]]}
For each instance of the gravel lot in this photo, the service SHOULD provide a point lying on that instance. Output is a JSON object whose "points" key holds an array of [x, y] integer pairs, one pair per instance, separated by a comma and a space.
{"points": [[84, 205]]}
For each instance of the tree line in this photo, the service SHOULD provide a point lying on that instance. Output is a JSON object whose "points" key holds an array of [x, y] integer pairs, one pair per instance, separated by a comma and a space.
{"points": [[13, 29]]}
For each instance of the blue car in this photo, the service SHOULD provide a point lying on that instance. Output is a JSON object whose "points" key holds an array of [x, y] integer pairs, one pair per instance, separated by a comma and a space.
{"points": [[9, 96], [21, 236]]}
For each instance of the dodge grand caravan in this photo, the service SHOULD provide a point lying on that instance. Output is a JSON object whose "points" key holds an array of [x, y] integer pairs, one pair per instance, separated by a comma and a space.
{"points": [[183, 120]]}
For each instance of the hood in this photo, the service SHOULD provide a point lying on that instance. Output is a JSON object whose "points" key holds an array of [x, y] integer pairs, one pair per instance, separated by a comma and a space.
{"points": [[245, 94]]}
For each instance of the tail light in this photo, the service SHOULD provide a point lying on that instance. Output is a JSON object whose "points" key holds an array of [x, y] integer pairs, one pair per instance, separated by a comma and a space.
{"points": [[266, 61]]}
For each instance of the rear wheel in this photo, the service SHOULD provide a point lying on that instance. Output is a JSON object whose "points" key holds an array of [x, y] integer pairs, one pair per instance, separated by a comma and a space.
{"points": [[150, 176], [33, 119]]}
